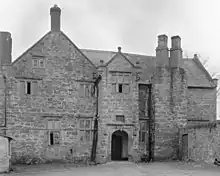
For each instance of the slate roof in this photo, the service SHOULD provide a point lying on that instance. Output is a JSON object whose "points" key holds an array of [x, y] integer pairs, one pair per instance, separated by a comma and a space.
{"points": [[196, 73]]}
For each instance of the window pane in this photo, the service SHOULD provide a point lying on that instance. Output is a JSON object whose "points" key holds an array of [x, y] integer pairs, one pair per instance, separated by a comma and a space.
{"points": [[82, 136], [142, 126], [56, 137], [41, 63], [50, 124], [87, 124], [113, 88], [87, 135], [143, 136], [81, 124], [35, 63], [120, 88], [51, 138]]}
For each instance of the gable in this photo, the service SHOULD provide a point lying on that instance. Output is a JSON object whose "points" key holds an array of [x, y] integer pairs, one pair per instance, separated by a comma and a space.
{"points": [[119, 63], [60, 55]]}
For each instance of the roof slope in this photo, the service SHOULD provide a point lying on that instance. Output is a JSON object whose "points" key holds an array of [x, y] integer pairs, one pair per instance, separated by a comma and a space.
{"points": [[196, 74]]}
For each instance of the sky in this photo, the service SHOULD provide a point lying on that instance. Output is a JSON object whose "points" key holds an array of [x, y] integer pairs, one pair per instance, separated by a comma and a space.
{"points": [[106, 24]]}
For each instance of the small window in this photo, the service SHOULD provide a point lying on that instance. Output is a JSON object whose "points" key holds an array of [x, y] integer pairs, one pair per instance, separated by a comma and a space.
{"points": [[28, 87], [35, 63], [143, 132], [41, 63], [114, 88], [120, 118], [54, 137], [120, 88]]}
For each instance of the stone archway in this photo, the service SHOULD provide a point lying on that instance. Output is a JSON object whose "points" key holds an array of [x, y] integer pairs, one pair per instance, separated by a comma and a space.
{"points": [[119, 145]]}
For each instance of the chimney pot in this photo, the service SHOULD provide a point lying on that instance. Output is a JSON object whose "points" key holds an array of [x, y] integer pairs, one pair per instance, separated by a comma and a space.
{"points": [[162, 41], [119, 49], [55, 12], [176, 42], [101, 61], [5, 48]]}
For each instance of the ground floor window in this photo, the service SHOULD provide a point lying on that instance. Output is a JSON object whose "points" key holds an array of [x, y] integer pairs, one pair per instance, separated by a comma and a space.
{"points": [[53, 127], [85, 129], [143, 131]]}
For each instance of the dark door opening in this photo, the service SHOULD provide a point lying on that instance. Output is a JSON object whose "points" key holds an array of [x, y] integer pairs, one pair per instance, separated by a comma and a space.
{"points": [[119, 147]]}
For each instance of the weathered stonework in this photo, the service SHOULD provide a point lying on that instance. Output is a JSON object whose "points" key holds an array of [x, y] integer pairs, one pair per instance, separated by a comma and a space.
{"points": [[62, 90]]}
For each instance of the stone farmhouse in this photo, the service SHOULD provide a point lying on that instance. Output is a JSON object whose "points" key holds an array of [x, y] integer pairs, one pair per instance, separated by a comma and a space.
{"points": [[63, 103]]}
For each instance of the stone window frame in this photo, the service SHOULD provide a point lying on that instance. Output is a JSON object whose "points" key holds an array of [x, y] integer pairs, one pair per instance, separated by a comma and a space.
{"points": [[35, 63], [54, 131], [85, 130], [120, 118], [41, 60], [143, 131], [116, 85], [86, 90]]}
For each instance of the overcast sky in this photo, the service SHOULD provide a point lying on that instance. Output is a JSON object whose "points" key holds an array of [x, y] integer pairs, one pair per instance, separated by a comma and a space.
{"points": [[106, 24]]}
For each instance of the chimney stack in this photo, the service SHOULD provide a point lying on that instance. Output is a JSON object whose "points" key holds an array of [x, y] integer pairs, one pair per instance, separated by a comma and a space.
{"points": [[5, 48], [162, 57], [175, 52], [55, 12]]}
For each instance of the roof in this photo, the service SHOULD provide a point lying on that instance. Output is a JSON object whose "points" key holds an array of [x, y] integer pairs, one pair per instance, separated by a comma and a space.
{"points": [[197, 75]]}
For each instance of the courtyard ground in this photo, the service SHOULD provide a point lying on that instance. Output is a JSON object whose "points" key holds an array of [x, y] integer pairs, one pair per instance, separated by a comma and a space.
{"points": [[119, 169]]}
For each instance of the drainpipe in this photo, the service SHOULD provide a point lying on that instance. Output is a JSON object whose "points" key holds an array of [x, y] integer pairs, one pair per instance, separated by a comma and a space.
{"points": [[95, 131], [150, 124], [5, 109]]}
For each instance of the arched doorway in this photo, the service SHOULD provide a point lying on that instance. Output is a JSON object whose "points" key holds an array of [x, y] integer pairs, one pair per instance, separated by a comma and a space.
{"points": [[119, 145]]}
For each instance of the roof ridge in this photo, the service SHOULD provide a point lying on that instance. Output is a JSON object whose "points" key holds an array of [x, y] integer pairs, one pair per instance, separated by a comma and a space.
{"points": [[114, 52]]}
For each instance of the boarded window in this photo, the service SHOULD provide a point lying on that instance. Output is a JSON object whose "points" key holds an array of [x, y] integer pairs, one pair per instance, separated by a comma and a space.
{"points": [[113, 88], [35, 63], [87, 91], [85, 130], [41, 63], [21, 86], [126, 88], [34, 87], [81, 90]]}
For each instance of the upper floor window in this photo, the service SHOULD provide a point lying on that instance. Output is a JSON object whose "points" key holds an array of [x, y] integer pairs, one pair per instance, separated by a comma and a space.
{"points": [[28, 87], [143, 132], [41, 63], [35, 63], [87, 90], [120, 88], [120, 118]]}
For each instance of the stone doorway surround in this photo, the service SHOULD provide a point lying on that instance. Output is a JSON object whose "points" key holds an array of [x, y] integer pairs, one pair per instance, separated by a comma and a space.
{"points": [[119, 145]]}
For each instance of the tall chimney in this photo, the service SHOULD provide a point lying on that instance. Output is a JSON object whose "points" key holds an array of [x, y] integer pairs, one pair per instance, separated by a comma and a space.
{"points": [[175, 52], [55, 12], [5, 48], [162, 54]]}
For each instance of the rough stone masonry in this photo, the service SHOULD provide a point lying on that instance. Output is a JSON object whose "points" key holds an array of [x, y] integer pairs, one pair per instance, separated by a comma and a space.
{"points": [[143, 101]]}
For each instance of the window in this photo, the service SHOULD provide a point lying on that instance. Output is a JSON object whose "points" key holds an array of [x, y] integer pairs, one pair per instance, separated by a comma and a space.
{"points": [[35, 63], [28, 87], [54, 133], [143, 132], [41, 63], [120, 88], [85, 130], [120, 118], [86, 90]]}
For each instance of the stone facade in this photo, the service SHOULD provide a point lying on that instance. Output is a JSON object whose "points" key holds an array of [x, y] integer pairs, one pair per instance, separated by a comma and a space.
{"points": [[52, 101]]}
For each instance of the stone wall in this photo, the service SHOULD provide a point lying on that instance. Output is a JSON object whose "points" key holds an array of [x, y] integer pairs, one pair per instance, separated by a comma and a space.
{"points": [[203, 142], [56, 95], [201, 104]]}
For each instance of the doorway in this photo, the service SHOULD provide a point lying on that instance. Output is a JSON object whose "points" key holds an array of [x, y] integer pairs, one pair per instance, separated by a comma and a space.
{"points": [[119, 146]]}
